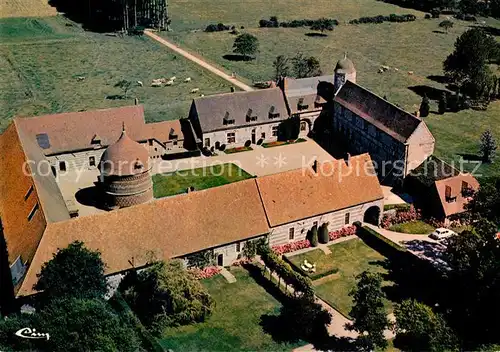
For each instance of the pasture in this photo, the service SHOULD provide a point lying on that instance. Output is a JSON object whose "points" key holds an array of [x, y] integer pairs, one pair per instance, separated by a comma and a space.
{"points": [[41, 60], [26, 8], [419, 47]]}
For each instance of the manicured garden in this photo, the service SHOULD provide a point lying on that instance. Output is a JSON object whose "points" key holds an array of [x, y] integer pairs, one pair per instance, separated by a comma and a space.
{"points": [[351, 258], [235, 322], [201, 178], [323, 263], [413, 227]]}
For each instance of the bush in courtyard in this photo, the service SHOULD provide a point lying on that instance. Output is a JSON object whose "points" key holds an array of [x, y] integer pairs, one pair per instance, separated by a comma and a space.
{"points": [[323, 233], [291, 247], [314, 236], [400, 217]]}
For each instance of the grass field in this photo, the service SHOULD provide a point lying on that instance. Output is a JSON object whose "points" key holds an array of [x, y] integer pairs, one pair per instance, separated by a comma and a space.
{"points": [[26, 8], [41, 58], [351, 258], [235, 323], [415, 46], [201, 178], [413, 227]]}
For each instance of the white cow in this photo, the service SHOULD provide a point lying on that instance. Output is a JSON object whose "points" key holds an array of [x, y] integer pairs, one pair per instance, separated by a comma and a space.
{"points": [[410, 72], [173, 78], [169, 83], [195, 90], [187, 79], [139, 83], [156, 84]]}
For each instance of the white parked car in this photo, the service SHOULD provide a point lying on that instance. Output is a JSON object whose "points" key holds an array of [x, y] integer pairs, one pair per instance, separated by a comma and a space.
{"points": [[442, 233]]}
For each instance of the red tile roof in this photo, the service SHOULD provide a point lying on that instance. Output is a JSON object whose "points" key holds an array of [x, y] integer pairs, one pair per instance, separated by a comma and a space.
{"points": [[455, 183]]}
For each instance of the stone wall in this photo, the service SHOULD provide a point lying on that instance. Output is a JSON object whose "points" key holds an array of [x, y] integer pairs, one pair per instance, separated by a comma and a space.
{"points": [[242, 135], [280, 235]]}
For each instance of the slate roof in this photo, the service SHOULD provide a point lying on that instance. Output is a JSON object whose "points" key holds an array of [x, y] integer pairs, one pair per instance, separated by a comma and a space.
{"points": [[165, 228], [212, 110], [75, 130], [377, 111], [305, 90], [302, 193]]}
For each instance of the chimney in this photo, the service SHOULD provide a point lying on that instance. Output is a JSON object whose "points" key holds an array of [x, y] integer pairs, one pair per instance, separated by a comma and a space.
{"points": [[314, 166], [347, 158], [136, 101]]}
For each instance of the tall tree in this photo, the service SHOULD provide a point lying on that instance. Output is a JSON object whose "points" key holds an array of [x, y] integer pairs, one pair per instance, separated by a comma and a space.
{"points": [[368, 312], [323, 24], [418, 328], [166, 294], [125, 86], [424, 107], [442, 103], [485, 203], [281, 67], [473, 50], [306, 66], [74, 271], [488, 146], [246, 44]]}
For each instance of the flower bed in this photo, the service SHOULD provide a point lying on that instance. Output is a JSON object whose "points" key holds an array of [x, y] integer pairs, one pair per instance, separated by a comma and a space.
{"points": [[242, 261], [343, 232], [291, 247], [400, 217], [205, 273], [278, 143], [237, 150]]}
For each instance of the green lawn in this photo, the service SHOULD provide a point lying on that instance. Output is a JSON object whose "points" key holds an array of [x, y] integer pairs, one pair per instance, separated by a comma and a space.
{"points": [[414, 46], [41, 58], [413, 227], [200, 178], [351, 257], [234, 325], [316, 256]]}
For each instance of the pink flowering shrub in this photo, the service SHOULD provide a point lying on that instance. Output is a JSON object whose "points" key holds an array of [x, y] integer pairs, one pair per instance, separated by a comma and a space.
{"points": [[242, 261], [291, 247], [205, 273], [400, 217], [343, 232]]}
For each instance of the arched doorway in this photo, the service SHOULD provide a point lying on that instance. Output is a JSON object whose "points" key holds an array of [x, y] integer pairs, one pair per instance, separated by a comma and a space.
{"points": [[372, 215]]}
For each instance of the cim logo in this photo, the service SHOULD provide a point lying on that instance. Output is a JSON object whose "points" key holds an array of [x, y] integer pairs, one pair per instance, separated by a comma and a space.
{"points": [[28, 333]]}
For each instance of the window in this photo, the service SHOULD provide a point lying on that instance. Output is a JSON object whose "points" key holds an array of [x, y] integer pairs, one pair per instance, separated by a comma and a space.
{"points": [[231, 137], [62, 165], [315, 224], [238, 247], [33, 212], [17, 269], [27, 195], [251, 117], [175, 141], [303, 126], [447, 193], [227, 120], [347, 218], [92, 161], [207, 142], [301, 105], [263, 135], [465, 188], [291, 233], [275, 131], [172, 134]]}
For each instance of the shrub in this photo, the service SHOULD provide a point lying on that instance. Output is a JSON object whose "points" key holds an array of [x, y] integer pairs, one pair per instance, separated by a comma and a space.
{"points": [[314, 236], [219, 27], [204, 273], [382, 19], [400, 217], [323, 233]]}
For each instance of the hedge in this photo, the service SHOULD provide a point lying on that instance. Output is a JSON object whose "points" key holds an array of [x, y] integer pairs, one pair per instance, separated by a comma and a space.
{"points": [[273, 23], [125, 312]]}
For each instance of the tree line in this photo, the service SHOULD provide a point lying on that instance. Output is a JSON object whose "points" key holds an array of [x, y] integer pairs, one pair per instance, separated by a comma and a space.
{"points": [[104, 15]]}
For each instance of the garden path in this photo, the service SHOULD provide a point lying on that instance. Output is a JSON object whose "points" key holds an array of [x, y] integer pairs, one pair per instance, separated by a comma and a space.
{"points": [[227, 275]]}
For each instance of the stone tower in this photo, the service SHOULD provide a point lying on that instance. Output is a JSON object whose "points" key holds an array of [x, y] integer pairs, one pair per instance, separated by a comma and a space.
{"points": [[344, 71], [125, 174]]}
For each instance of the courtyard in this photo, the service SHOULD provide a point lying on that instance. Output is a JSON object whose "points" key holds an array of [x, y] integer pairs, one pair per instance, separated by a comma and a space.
{"points": [[235, 323], [201, 178], [350, 258]]}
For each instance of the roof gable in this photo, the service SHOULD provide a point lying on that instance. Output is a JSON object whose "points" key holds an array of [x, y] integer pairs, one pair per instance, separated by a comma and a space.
{"points": [[306, 94], [232, 110], [300, 194], [78, 130], [377, 111], [457, 202]]}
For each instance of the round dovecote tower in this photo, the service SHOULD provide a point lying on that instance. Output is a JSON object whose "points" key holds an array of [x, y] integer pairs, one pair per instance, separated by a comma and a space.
{"points": [[344, 71], [125, 174]]}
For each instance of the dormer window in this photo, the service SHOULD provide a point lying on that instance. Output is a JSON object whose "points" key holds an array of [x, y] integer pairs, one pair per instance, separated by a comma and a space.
{"points": [[301, 105], [251, 117], [447, 194], [227, 120], [96, 139], [273, 114], [172, 134], [138, 165]]}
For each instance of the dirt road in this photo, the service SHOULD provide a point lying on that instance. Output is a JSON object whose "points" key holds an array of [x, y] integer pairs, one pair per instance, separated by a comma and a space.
{"points": [[198, 61]]}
